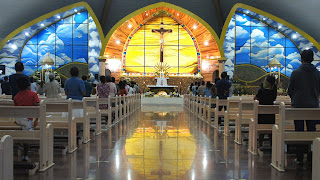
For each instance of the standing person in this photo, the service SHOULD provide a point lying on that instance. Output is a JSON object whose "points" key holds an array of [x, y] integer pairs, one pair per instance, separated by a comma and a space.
{"points": [[13, 78], [112, 86], [131, 89], [40, 90], [267, 94], [136, 87], [194, 88], [122, 87], [201, 88], [222, 89], [25, 97], [5, 86], [231, 88], [52, 88], [207, 90], [113, 80], [189, 89], [74, 87], [88, 86], [34, 86], [103, 90], [304, 87]]}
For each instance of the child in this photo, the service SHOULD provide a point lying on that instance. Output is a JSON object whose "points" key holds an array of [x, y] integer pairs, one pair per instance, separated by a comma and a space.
{"points": [[267, 94], [25, 97]]}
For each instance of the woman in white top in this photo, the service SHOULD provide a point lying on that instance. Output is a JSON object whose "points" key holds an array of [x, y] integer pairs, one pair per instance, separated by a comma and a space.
{"points": [[113, 88], [52, 88], [34, 87]]}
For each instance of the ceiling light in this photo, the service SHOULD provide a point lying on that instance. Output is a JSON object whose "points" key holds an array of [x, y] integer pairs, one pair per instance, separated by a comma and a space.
{"points": [[294, 36], [206, 43], [58, 17], [13, 46], [75, 10], [26, 33], [117, 41], [264, 19], [279, 27], [147, 14], [194, 26], [129, 26], [42, 24], [177, 14], [78, 13], [247, 12]]}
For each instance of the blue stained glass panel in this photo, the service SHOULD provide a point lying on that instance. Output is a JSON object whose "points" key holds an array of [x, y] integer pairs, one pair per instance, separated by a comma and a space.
{"points": [[80, 17], [29, 55], [242, 19], [64, 34], [80, 34], [242, 55], [259, 56], [47, 36], [67, 20], [276, 38], [255, 22], [63, 55], [242, 36], [259, 36], [289, 43], [80, 54], [29, 70], [33, 40], [44, 49]]}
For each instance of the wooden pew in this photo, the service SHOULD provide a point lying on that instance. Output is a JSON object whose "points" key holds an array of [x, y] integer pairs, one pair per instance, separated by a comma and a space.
{"points": [[219, 113], [91, 106], [59, 106], [280, 136], [231, 113], [316, 159], [44, 135], [6, 158], [245, 115], [84, 120]]}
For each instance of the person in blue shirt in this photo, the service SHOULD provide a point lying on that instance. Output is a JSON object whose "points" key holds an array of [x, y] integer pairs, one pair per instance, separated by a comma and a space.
{"points": [[74, 87], [13, 78], [222, 90], [207, 90], [88, 86]]}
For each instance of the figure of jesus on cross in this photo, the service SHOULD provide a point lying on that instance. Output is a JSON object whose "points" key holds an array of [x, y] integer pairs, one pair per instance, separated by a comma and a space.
{"points": [[161, 31]]}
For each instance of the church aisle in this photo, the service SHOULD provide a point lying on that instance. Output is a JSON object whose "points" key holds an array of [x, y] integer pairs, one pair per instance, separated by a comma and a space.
{"points": [[163, 145]]}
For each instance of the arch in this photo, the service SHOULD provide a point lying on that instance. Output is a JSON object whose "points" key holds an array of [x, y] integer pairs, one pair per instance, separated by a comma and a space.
{"points": [[48, 15], [168, 5], [261, 12]]}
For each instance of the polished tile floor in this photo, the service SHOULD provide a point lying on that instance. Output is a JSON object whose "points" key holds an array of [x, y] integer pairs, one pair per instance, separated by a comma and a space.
{"points": [[164, 145]]}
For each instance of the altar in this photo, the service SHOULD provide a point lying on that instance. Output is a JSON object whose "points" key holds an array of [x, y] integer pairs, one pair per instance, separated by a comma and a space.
{"points": [[161, 86]]}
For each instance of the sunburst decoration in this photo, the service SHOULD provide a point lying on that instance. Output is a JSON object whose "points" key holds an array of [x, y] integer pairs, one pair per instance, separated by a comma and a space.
{"points": [[161, 68]]}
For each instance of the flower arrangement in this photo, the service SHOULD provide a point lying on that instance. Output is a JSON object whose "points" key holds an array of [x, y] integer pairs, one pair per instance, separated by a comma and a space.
{"points": [[235, 79]]}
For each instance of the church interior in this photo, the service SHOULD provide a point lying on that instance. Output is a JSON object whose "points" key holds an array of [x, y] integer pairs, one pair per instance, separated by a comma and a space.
{"points": [[155, 89]]}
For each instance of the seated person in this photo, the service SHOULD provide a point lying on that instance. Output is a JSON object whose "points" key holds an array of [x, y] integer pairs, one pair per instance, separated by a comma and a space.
{"points": [[25, 97], [267, 94]]}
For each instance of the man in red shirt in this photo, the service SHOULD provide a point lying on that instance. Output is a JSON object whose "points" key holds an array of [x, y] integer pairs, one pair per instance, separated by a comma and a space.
{"points": [[25, 97]]}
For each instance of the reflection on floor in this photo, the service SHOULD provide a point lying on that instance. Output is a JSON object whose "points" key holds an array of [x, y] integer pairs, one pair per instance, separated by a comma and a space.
{"points": [[164, 145]]}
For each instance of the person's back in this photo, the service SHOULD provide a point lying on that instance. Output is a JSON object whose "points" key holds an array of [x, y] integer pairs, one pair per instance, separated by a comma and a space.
{"points": [[304, 87], [223, 87], [52, 88], [74, 87], [13, 78], [5, 86], [88, 86], [201, 89]]}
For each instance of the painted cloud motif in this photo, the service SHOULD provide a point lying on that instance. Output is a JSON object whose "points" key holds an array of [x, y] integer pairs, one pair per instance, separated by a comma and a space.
{"points": [[70, 38], [254, 39]]}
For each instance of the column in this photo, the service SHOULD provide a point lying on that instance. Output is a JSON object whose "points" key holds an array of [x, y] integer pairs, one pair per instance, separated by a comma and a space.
{"points": [[221, 60], [102, 65]]}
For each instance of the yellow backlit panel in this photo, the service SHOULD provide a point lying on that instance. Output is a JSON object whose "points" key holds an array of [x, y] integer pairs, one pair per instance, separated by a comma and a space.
{"points": [[138, 38], [151, 38], [152, 55], [188, 55], [184, 38], [135, 56], [130, 69]]}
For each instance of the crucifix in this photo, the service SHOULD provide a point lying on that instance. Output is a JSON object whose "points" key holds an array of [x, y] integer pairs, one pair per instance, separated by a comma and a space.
{"points": [[161, 31]]}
